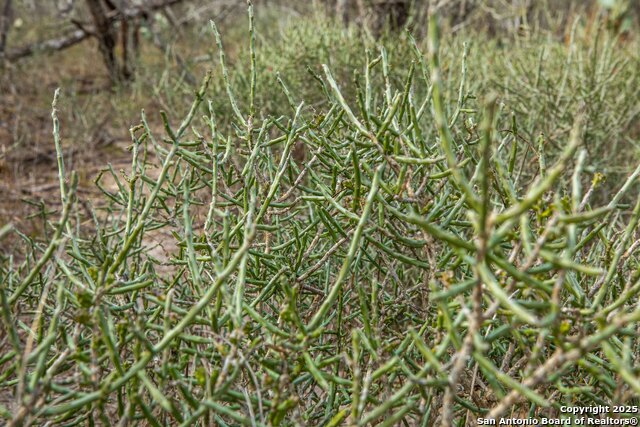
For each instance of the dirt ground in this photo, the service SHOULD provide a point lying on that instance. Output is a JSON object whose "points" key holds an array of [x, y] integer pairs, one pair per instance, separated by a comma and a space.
{"points": [[28, 168], [94, 122]]}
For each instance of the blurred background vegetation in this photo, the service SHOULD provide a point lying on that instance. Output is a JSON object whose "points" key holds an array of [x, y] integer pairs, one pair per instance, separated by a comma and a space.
{"points": [[112, 58]]}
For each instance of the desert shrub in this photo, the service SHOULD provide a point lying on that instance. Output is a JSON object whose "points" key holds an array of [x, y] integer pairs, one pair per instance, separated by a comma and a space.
{"points": [[546, 82], [375, 259], [548, 85]]}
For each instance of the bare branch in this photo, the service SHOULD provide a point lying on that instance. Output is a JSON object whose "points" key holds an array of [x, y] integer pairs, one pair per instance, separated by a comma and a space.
{"points": [[56, 44]]}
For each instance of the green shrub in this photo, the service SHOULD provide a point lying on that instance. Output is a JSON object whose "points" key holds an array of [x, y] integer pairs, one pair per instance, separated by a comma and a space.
{"points": [[375, 259], [545, 82]]}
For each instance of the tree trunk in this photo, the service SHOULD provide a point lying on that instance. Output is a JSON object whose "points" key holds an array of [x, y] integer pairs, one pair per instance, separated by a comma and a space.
{"points": [[342, 11], [6, 21], [107, 37], [377, 14], [102, 11]]}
